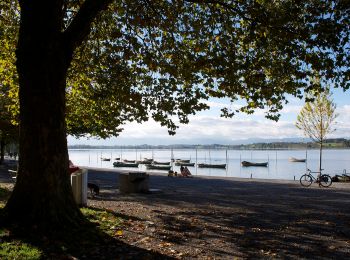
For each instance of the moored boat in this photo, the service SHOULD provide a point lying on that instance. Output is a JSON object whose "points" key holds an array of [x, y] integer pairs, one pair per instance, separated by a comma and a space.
{"points": [[341, 178], [293, 159], [129, 161], [184, 164], [206, 165], [144, 162], [247, 164], [182, 161], [161, 163], [158, 167], [105, 159], [123, 164]]}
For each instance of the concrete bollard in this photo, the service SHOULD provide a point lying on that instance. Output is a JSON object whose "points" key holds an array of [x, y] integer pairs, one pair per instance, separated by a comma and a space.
{"points": [[134, 182], [79, 186]]}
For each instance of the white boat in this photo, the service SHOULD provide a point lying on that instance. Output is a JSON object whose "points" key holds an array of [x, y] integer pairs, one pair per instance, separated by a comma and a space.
{"points": [[293, 159]]}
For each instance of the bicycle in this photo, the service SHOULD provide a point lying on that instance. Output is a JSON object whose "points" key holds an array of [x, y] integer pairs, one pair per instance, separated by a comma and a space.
{"points": [[307, 179]]}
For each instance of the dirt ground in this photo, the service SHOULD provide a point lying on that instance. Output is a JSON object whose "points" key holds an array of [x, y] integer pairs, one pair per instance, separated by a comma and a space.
{"points": [[228, 218]]}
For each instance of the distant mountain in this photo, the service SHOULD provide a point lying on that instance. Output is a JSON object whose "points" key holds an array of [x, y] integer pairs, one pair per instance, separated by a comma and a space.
{"points": [[274, 140]]}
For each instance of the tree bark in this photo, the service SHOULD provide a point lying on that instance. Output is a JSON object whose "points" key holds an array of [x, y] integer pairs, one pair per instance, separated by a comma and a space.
{"points": [[2, 149], [42, 195]]}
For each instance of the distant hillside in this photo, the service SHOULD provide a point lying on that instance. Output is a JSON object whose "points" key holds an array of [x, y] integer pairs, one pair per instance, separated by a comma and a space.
{"points": [[336, 143]]}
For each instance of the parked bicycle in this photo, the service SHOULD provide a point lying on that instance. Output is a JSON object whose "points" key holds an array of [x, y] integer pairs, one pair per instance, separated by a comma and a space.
{"points": [[323, 179]]}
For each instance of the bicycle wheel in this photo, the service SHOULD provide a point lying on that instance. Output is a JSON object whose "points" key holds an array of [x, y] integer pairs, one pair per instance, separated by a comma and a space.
{"points": [[305, 180], [326, 180]]}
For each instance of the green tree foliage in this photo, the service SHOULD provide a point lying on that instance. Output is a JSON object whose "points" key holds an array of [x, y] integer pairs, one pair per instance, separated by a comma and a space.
{"points": [[9, 103], [9, 24], [162, 59], [317, 119]]}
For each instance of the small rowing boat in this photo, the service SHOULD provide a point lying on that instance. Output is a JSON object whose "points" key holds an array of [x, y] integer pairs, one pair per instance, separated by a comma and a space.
{"points": [[293, 159], [158, 167], [217, 166], [144, 162], [184, 164], [182, 161], [123, 164], [161, 163], [247, 164], [129, 161]]}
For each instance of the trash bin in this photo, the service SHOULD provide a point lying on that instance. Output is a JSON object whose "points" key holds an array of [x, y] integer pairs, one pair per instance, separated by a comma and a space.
{"points": [[79, 186], [134, 182]]}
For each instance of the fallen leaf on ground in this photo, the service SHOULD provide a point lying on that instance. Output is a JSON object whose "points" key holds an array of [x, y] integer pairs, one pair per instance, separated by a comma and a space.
{"points": [[119, 233], [164, 244]]}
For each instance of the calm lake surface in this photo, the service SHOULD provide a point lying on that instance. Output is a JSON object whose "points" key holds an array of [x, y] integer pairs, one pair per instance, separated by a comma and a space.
{"points": [[334, 161]]}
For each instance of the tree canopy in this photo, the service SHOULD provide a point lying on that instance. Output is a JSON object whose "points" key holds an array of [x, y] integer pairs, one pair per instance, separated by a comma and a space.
{"points": [[162, 59]]}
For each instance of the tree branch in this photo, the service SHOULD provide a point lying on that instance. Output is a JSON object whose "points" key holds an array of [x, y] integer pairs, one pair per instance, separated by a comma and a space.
{"points": [[80, 26]]}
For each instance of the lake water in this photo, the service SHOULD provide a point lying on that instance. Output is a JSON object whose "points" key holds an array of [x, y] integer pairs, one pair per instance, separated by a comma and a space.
{"points": [[334, 161]]}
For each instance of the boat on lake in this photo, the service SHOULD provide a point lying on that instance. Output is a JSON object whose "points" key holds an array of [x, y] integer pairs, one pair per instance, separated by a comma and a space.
{"points": [[161, 163], [217, 166], [158, 167], [247, 164], [129, 161], [293, 159], [184, 164], [117, 159], [182, 161], [105, 159], [341, 178], [144, 162], [124, 164]]}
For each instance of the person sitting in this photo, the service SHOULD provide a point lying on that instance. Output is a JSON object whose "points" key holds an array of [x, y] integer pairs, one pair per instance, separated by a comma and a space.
{"points": [[172, 174], [181, 169], [72, 167], [185, 172]]}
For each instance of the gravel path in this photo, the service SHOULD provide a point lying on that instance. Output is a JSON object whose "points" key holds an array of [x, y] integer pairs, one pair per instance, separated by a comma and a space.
{"points": [[223, 218], [228, 218]]}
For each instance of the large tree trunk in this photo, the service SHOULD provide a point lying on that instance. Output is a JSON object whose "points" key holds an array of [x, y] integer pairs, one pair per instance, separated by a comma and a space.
{"points": [[43, 194], [2, 149]]}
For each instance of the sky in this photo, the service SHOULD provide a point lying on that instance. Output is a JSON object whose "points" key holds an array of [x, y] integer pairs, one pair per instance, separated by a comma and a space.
{"points": [[207, 127]]}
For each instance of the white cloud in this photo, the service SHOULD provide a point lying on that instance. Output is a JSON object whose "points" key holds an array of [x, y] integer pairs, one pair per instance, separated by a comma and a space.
{"points": [[292, 109], [207, 128], [211, 127]]}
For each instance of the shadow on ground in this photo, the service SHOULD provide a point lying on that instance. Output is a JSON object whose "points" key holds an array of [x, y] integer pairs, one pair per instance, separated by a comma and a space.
{"points": [[87, 242], [245, 219]]}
